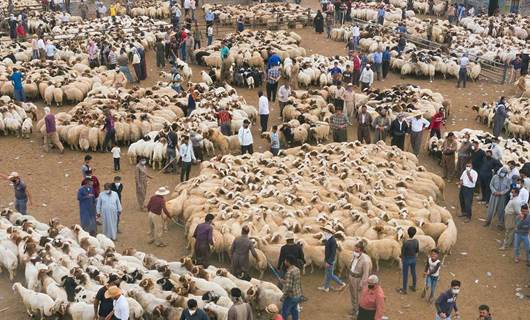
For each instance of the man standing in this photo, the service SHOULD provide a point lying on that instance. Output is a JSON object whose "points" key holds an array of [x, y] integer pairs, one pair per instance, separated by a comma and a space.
{"points": [[109, 208], [51, 132], [464, 155], [209, 17], [141, 177], [83, 9], [283, 96], [446, 302], [330, 254], [110, 132], [448, 156], [398, 129], [462, 72], [512, 210], [488, 167], [417, 125], [290, 249], [356, 68], [22, 195], [477, 155], [499, 187], [386, 61], [360, 269], [349, 102], [381, 14], [409, 252], [468, 181], [103, 306], [378, 64], [366, 78], [336, 73], [356, 35], [245, 138], [86, 167], [157, 208], [496, 151], [347, 75], [18, 89], [117, 186], [120, 305], [292, 289], [187, 156], [87, 206], [522, 227], [172, 140], [239, 253], [263, 107], [381, 125], [338, 96], [338, 123], [364, 120], [499, 118], [224, 119], [240, 310], [203, 235], [371, 300]]}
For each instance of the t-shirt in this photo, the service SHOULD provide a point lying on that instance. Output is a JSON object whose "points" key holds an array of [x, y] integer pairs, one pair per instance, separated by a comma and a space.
{"points": [[17, 80], [116, 152], [105, 305], [20, 190], [410, 248]]}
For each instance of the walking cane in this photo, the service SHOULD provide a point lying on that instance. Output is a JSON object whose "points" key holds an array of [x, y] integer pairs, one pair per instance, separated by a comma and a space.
{"points": [[167, 165]]}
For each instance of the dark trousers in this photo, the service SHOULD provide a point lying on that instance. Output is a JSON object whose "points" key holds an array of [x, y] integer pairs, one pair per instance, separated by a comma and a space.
{"points": [[409, 263], [398, 141], [436, 132], [339, 104], [116, 164], [185, 172], [462, 77], [366, 314], [356, 75], [485, 187], [138, 71], [109, 136], [263, 120], [272, 88], [363, 133], [198, 153], [365, 85], [386, 67], [466, 200], [171, 155], [247, 149]]}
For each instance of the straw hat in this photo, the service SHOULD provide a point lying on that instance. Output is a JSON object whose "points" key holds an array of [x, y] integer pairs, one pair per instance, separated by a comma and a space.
{"points": [[289, 235], [162, 191], [112, 292], [272, 308], [327, 228]]}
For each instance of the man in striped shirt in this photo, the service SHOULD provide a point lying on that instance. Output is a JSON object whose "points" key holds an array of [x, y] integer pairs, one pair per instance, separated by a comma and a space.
{"points": [[273, 76], [338, 123]]}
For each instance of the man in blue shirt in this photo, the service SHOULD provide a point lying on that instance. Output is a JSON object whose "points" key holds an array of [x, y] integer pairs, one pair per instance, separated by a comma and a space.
{"points": [[209, 17], [401, 28], [381, 15], [336, 73], [386, 61], [18, 91], [446, 302], [378, 64]]}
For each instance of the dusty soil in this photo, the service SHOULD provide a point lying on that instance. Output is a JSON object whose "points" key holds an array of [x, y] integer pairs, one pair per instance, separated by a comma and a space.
{"points": [[489, 276]]}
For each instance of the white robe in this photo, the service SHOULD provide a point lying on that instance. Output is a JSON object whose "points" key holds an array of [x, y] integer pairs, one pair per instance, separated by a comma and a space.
{"points": [[109, 207]]}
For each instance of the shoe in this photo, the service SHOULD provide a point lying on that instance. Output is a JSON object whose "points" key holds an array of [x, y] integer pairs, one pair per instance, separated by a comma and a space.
{"points": [[503, 248], [467, 220], [401, 291], [413, 289], [323, 289], [161, 245], [461, 215], [342, 286]]}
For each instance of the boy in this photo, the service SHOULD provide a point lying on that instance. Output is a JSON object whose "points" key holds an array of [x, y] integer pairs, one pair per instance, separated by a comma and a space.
{"points": [[431, 274], [484, 312], [446, 302], [116, 151], [275, 141], [409, 252], [117, 186]]}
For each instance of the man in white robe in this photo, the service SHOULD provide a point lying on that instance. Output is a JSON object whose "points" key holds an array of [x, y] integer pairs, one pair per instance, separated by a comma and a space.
{"points": [[109, 208]]}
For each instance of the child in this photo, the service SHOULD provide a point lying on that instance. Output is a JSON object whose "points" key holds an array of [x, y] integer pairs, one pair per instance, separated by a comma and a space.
{"points": [[431, 274], [116, 151], [275, 141]]}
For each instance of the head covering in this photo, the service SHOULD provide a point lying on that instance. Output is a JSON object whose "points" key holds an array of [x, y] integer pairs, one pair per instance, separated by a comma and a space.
{"points": [[13, 175], [289, 235], [271, 309], [46, 110], [350, 84], [368, 65], [328, 228], [112, 292], [373, 279], [235, 292], [162, 191]]}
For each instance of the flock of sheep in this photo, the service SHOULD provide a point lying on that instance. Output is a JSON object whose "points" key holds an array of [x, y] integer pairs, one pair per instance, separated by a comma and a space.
{"points": [[363, 192], [65, 267]]}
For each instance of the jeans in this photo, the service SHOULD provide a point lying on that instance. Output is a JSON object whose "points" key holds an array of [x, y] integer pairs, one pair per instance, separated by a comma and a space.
{"points": [[127, 73], [466, 200], [109, 136], [329, 276], [171, 155], [431, 282], [275, 151], [356, 41], [210, 39], [183, 52], [19, 94], [485, 187], [290, 307], [462, 77], [116, 164], [225, 129], [520, 237], [409, 262], [263, 120], [21, 205], [438, 318], [185, 172], [272, 88]]}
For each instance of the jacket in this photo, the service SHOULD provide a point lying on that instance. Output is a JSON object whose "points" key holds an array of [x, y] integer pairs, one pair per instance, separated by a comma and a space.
{"points": [[291, 250], [446, 303], [395, 131], [330, 251], [522, 226]]}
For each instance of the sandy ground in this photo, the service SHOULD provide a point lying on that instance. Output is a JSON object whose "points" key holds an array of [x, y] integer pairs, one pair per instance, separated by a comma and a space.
{"points": [[488, 276]]}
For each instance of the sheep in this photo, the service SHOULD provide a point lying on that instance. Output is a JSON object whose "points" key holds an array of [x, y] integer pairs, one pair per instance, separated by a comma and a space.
{"points": [[9, 261], [37, 302], [383, 249], [448, 238]]}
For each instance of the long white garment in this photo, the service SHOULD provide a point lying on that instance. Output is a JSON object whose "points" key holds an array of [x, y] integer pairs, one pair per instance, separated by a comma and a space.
{"points": [[109, 207]]}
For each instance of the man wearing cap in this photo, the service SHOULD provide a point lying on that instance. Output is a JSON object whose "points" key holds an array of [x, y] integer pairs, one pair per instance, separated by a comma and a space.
{"points": [[22, 195], [241, 246], [292, 289], [240, 310], [203, 235], [120, 304], [398, 129], [371, 300], [87, 206], [448, 156], [245, 138], [290, 249], [109, 208], [417, 125], [141, 177], [157, 208], [360, 269], [102, 305], [330, 255], [364, 121]]}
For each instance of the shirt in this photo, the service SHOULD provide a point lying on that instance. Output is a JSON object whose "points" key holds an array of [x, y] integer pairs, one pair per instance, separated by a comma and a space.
{"points": [[263, 104], [446, 303], [16, 77], [245, 136], [223, 116], [334, 71], [20, 190], [378, 57], [116, 151], [121, 308], [373, 299], [273, 75], [417, 125], [338, 121], [292, 287], [224, 52], [437, 120], [204, 233], [123, 61], [464, 61], [367, 76], [410, 248], [105, 305], [386, 55], [157, 204], [49, 121], [284, 93], [186, 152], [198, 315], [466, 181], [50, 50], [356, 32], [523, 196], [275, 141], [433, 267], [210, 31], [41, 44], [210, 16]]}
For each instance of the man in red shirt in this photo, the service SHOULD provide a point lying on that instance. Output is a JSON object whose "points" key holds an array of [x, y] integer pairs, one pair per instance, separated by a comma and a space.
{"points": [[356, 68], [436, 123], [224, 118], [156, 205]]}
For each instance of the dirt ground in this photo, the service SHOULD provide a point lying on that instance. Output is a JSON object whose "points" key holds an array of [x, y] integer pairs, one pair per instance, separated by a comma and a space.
{"points": [[488, 276]]}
